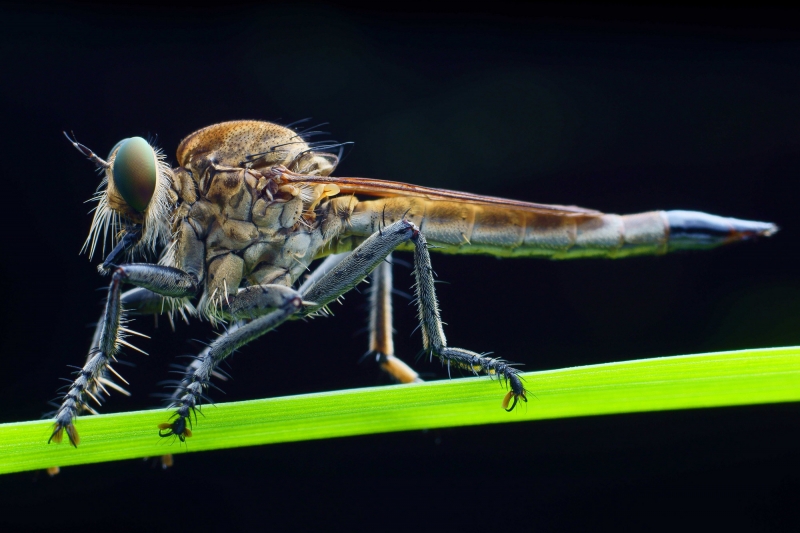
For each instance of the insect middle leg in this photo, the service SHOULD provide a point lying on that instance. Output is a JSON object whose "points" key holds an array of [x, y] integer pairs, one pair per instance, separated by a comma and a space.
{"points": [[268, 306], [274, 303], [281, 303]]}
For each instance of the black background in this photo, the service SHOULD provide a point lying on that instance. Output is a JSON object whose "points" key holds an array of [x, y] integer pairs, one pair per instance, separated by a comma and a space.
{"points": [[613, 107]]}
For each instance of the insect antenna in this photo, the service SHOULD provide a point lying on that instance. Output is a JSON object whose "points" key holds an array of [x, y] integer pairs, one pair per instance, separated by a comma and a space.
{"points": [[94, 158]]}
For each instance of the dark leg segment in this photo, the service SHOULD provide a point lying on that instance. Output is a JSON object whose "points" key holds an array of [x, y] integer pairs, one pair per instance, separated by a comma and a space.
{"points": [[163, 280], [434, 341], [352, 270], [190, 392], [344, 274], [136, 301]]}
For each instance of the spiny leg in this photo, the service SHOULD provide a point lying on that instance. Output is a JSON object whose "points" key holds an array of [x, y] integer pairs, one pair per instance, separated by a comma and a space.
{"points": [[135, 301], [186, 372], [250, 302], [353, 269], [166, 281], [366, 257], [345, 274], [380, 315], [275, 304], [323, 268], [381, 343], [141, 301], [434, 341], [270, 305]]}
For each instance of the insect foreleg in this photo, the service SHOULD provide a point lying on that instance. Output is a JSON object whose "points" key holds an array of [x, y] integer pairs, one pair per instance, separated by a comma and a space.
{"points": [[136, 301], [434, 340], [163, 280], [191, 391], [381, 343]]}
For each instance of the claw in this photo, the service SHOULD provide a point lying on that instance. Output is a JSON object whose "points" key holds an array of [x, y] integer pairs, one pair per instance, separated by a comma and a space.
{"points": [[517, 396], [177, 428], [517, 390], [58, 434]]}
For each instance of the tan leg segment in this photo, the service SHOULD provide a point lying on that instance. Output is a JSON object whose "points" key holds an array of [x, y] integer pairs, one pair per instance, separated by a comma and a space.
{"points": [[380, 326]]}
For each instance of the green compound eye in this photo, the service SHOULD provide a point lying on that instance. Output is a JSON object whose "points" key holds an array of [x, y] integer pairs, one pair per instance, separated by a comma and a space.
{"points": [[135, 172]]}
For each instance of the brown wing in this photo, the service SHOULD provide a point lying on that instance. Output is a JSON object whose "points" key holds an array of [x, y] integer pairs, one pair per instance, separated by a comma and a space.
{"points": [[383, 188]]}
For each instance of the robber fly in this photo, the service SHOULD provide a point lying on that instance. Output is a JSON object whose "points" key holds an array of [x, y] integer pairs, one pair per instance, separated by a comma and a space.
{"points": [[252, 204]]}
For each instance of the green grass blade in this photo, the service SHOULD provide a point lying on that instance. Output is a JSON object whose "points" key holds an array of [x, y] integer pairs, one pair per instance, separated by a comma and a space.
{"points": [[683, 382]]}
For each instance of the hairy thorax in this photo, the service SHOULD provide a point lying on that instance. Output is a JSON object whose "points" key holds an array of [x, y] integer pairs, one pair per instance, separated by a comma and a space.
{"points": [[241, 226]]}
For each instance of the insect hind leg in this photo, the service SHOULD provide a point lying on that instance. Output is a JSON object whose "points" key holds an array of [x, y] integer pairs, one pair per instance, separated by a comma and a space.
{"points": [[434, 340], [368, 256]]}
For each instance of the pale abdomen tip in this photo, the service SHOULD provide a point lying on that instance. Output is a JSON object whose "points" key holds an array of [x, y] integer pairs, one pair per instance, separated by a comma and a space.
{"points": [[696, 230]]}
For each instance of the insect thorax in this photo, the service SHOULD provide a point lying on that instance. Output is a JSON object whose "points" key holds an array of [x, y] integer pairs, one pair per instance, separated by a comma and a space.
{"points": [[237, 226]]}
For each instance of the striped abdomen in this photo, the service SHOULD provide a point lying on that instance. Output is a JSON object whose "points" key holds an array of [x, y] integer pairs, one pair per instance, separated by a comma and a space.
{"points": [[467, 228]]}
